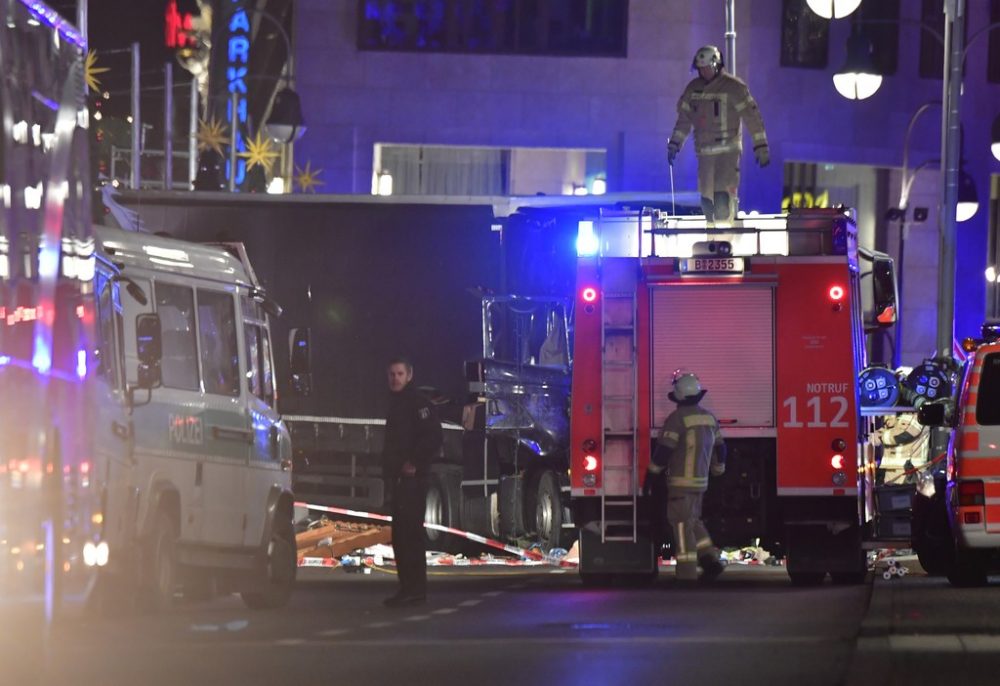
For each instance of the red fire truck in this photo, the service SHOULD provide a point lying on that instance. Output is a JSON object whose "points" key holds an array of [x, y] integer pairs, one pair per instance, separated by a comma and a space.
{"points": [[771, 313]]}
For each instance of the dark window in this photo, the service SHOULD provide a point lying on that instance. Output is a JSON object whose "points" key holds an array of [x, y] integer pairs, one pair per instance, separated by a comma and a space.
{"points": [[534, 27], [988, 401], [804, 36], [993, 56], [880, 19], [932, 39], [931, 47]]}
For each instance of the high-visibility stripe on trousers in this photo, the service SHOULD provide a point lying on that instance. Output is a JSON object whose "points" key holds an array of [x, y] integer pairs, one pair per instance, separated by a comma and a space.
{"points": [[691, 539]]}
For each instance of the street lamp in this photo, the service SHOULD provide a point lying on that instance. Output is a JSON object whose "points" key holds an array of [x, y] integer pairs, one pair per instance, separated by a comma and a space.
{"points": [[833, 9], [857, 79], [285, 123], [995, 137], [968, 199]]}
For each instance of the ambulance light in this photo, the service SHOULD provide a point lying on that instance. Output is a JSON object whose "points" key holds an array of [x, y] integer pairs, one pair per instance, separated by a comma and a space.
{"points": [[587, 243], [590, 463], [589, 294], [836, 293]]}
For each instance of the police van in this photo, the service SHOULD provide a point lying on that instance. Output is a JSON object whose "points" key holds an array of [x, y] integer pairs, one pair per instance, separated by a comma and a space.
{"points": [[198, 497]]}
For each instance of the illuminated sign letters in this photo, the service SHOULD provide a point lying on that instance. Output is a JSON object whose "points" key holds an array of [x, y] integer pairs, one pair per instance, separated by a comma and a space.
{"points": [[237, 61]]}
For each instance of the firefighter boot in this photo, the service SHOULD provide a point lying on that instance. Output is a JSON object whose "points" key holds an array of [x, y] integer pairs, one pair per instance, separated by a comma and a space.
{"points": [[708, 207], [723, 207], [711, 567]]}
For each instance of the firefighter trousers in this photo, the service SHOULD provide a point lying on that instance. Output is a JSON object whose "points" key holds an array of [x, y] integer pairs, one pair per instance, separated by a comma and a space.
{"points": [[692, 541], [719, 184]]}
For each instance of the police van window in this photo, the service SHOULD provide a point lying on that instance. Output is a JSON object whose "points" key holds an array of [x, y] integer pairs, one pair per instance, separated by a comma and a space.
{"points": [[220, 361], [179, 366], [253, 356], [988, 400], [267, 376], [104, 350]]}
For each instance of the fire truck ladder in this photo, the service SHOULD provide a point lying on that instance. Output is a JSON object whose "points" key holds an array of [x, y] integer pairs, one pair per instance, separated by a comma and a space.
{"points": [[619, 499]]}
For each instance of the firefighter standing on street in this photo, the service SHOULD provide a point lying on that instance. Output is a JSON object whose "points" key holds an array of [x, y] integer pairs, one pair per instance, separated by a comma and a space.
{"points": [[690, 447], [715, 104], [412, 440]]}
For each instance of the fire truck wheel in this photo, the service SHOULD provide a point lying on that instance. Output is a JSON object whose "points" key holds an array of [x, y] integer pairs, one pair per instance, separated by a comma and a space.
{"points": [[806, 578], [159, 569], [549, 512], [970, 568], [281, 568], [591, 580]]}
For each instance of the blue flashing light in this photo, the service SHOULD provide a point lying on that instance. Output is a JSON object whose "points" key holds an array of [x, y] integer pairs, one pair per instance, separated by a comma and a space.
{"points": [[81, 363], [4, 360], [587, 243], [50, 17], [42, 357]]}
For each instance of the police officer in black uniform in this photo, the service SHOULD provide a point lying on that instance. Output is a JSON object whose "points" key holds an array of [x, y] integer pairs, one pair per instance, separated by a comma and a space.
{"points": [[412, 440]]}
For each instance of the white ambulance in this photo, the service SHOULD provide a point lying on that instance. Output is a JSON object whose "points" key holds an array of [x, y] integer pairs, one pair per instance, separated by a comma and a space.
{"points": [[198, 497]]}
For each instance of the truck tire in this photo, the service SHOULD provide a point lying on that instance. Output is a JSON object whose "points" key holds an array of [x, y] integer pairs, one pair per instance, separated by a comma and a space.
{"points": [[442, 508], [511, 508], [276, 588], [970, 568], [548, 515], [931, 534], [159, 567]]}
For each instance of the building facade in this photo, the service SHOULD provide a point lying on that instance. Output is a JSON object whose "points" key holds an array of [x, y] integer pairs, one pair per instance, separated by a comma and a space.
{"points": [[517, 97]]}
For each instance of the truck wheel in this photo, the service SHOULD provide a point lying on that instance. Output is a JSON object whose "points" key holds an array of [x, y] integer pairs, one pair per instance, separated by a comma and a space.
{"points": [[159, 569], [276, 588], [931, 534], [806, 578], [442, 509], [970, 568], [549, 512]]}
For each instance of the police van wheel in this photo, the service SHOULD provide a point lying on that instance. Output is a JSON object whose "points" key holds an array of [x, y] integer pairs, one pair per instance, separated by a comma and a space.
{"points": [[159, 577], [282, 565]]}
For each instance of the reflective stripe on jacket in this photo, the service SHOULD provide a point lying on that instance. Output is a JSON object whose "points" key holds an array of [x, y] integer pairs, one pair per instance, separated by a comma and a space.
{"points": [[714, 109], [690, 435]]}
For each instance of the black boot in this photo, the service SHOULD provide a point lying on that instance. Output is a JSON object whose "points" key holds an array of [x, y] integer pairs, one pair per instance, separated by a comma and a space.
{"points": [[711, 568]]}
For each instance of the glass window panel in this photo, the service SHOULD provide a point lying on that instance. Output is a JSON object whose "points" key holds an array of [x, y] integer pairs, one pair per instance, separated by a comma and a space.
{"points": [[175, 305], [220, 361]]}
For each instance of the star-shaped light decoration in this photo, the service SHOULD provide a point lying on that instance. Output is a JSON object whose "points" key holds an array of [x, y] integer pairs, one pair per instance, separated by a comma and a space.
{"points": [[91, 70], [259, 151], [211, 135], [307, 178]]}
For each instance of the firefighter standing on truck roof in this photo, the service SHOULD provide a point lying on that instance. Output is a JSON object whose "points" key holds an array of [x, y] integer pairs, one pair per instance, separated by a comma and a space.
{"points": [[715, 104], [690, 448], [412, 440]]}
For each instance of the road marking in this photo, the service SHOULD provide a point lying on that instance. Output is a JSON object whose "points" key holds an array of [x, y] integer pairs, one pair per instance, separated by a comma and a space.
{"points": [[378, 625], [469, 603], [330, 633], [514, 641], [445, 611], [416, 618], [492, 594], [290, 641]]}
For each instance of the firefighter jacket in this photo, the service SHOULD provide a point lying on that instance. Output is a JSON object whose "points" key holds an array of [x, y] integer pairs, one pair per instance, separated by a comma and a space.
{"points": [[412, 433], [715, 109], [689, 448]]}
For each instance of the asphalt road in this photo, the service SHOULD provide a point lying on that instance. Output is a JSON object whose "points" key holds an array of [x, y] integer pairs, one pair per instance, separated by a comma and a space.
{"points": [[527, 626], [494, 626]]}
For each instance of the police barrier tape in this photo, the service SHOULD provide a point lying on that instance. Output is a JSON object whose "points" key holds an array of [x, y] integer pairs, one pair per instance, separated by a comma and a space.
{"points": [[482, 540]]}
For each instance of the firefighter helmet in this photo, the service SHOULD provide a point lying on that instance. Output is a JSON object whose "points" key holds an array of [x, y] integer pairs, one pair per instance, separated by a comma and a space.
{"points": [[686, 385], [708, 56]]}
